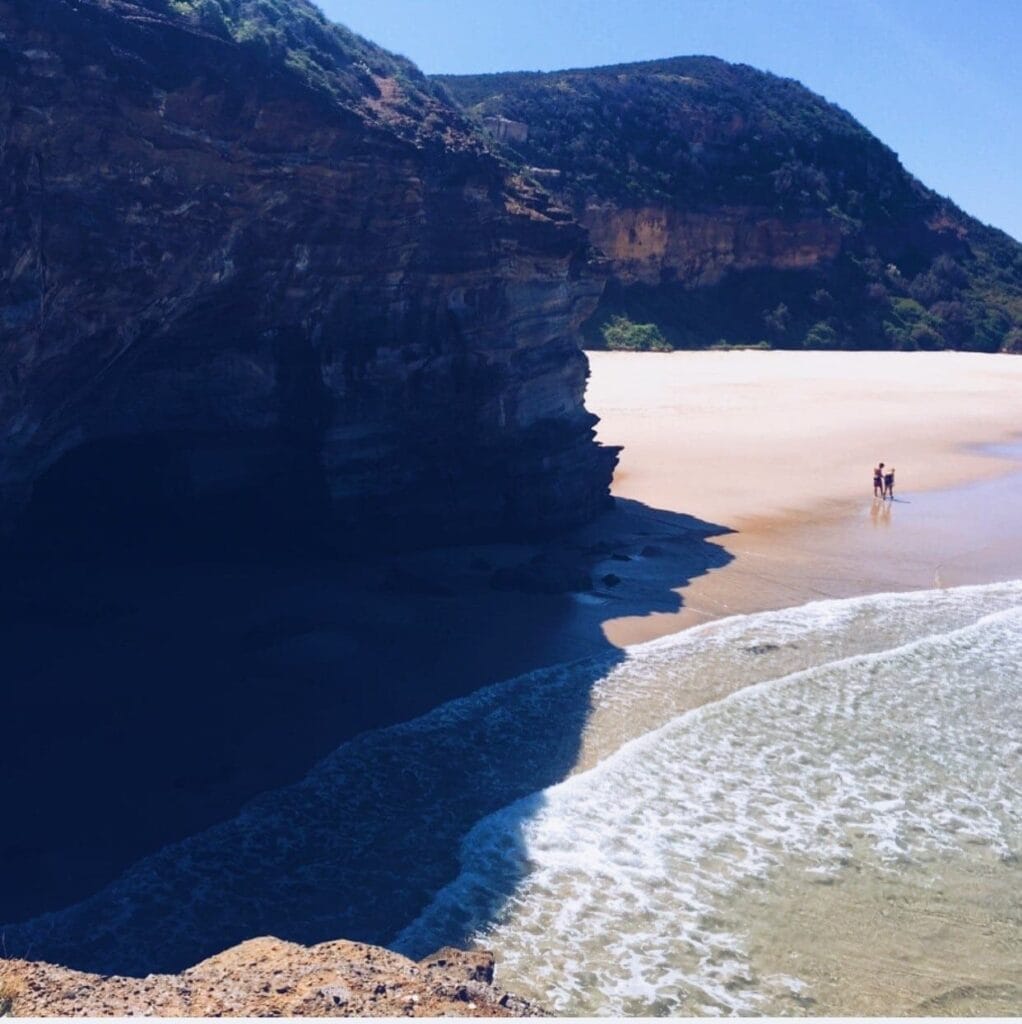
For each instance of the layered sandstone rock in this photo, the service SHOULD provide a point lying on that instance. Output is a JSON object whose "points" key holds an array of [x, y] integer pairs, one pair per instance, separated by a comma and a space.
{"points": [[277, 280], [269, 978], [651, 244]]}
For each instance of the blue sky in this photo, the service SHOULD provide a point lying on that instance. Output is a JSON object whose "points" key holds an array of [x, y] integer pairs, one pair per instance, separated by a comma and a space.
{"points": [[940, 81]]}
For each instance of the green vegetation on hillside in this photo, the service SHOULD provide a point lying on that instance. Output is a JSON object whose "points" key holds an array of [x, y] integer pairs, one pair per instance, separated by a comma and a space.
{"points": [[698, 134], [694, 131], [296, 34]]}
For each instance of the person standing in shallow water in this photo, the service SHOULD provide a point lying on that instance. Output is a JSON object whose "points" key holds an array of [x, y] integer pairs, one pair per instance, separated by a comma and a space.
{"points": [[889, 484], [878, 480]]}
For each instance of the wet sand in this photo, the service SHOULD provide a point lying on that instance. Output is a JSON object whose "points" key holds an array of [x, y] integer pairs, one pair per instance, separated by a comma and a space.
{"points": [[748, 436], [144, 703], [779, 447], [148, 702], [934, 940]]}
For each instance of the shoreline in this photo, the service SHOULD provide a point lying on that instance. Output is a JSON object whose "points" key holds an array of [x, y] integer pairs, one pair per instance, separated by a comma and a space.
{"points": [[791, 560], [961, 481], [219, 683]]}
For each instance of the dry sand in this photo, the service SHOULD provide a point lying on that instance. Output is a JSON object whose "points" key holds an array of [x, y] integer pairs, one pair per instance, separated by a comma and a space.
{"points": [[738, 437], [779, 447]]}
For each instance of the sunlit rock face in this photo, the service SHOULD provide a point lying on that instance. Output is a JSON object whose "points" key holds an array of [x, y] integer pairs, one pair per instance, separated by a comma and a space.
{"points": [[651, 244], [261, 274]]}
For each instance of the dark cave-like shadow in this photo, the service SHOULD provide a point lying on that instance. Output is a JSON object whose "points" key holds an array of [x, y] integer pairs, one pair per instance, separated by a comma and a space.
{"points": [[142, 707]]}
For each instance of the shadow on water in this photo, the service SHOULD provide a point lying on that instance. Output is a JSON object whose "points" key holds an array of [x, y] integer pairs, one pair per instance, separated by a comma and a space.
{"points": [[196, 755]]}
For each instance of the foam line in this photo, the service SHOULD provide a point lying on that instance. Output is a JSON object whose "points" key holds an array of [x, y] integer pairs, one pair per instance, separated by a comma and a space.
{"points": [[380, 827], [912, 749]]}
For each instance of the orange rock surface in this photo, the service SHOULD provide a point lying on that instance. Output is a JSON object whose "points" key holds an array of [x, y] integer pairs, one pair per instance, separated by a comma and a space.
{"points": [[267, 977]]}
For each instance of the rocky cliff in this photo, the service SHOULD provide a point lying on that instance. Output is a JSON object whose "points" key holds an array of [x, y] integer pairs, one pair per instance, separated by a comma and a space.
{"points": [[738, 206], [257, 272], [648, 244], [270, 978]]}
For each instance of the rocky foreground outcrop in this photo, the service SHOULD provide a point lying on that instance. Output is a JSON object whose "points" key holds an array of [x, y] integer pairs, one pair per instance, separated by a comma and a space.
{"points": [[270, 978], [254, 268]]}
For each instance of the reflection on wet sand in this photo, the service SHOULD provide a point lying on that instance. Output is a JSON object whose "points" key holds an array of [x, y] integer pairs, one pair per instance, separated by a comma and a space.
{"points": [[880, 512]]}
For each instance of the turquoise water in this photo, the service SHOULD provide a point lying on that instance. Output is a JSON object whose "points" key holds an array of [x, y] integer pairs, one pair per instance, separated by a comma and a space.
{"points": [[894, 760], [605, 825]]}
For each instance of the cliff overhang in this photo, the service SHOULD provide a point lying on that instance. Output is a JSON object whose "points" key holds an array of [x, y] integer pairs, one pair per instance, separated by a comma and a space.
{"points": [[233, 297]]}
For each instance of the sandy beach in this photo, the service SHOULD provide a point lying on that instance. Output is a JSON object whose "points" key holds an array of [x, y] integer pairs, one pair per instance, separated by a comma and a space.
{"points": [[779, 447], [771, 454], [746, 436], [744, 486]]}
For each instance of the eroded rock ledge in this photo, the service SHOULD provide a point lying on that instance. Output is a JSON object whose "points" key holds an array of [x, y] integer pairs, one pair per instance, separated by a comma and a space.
{"points": [[270, 978]]}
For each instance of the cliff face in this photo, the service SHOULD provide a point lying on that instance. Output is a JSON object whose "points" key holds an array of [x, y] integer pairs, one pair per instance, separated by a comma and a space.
{"points": [[270, 978], [254, 268], [653, 244], [736, 205]]}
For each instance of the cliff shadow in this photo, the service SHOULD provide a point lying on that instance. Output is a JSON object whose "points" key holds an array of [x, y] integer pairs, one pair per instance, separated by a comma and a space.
{"points": [[196, 755]]}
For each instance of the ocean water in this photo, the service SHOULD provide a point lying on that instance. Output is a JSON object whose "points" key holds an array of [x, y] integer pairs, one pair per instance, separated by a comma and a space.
{"points": [[815, 810], [705, 866]]}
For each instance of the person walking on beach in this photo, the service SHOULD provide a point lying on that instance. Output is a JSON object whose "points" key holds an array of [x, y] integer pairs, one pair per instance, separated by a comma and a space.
{"points": [[878, 481], [889, 484]]}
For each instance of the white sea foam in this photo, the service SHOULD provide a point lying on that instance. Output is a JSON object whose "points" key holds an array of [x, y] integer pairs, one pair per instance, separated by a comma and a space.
{"points": [[909, 752], [890, 721]]}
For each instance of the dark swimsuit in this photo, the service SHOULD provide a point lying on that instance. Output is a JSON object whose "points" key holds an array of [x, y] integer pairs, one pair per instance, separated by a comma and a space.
{"points": [[877, 480], [889, 480]]}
